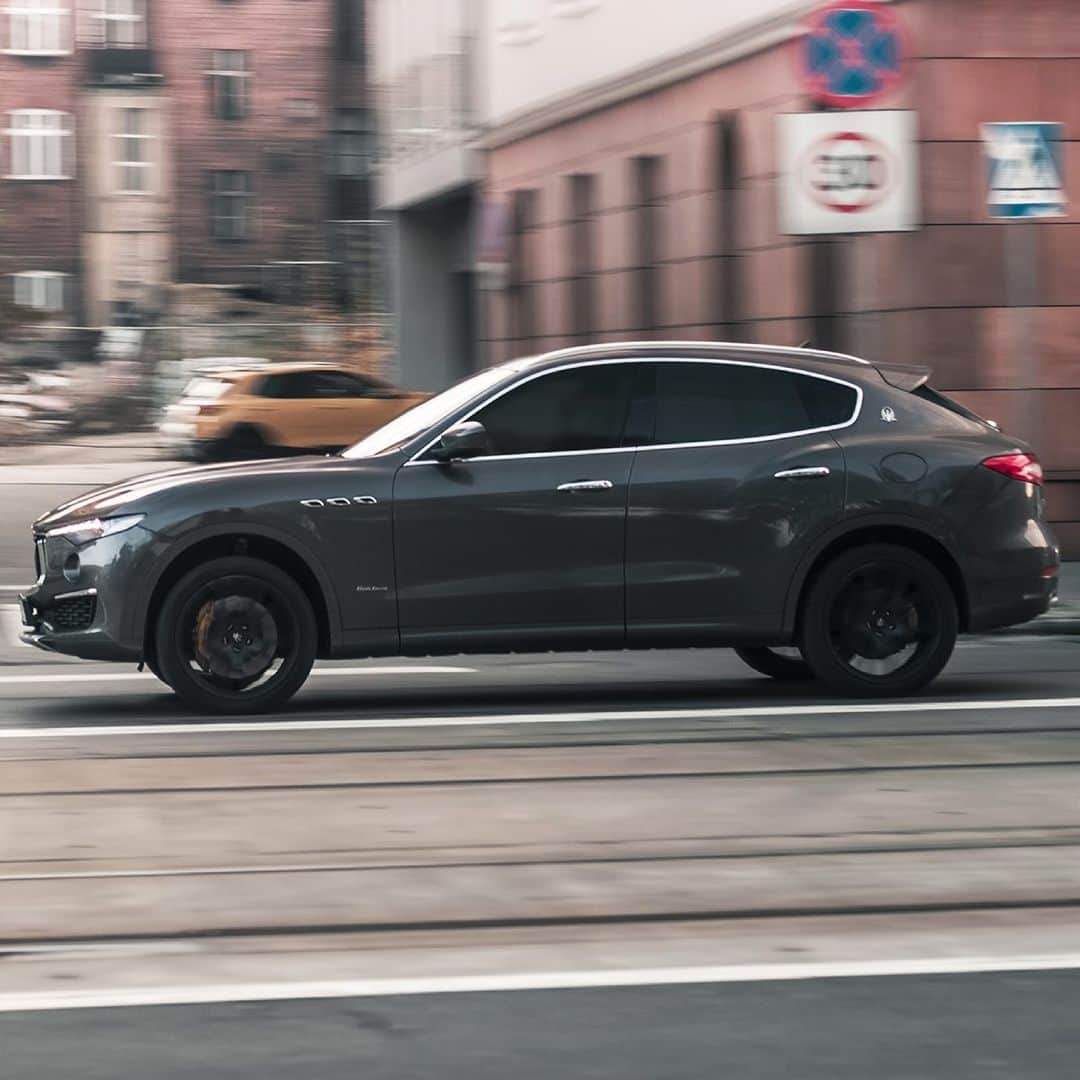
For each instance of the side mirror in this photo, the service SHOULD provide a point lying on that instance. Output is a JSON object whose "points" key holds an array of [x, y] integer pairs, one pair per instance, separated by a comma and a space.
{"points": [[465, 440]]}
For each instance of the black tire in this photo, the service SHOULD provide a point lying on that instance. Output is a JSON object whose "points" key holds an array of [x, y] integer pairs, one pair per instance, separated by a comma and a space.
{"points": [[155, 670], [878, 621], [243, 444], [776, 665], [224, 627]]}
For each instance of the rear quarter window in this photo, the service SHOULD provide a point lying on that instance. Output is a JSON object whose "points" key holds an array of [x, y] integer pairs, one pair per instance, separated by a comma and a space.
{"points": [[720, 402]]}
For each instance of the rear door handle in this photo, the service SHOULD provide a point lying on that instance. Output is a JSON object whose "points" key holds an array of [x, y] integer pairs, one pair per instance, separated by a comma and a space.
{"points": [[795, 474], [586, 485]]}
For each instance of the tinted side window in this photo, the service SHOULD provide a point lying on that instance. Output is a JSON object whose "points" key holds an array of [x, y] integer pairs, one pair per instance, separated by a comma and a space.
{"points": [[583, 408], [291, 384], [714, 402], [338, 384]]}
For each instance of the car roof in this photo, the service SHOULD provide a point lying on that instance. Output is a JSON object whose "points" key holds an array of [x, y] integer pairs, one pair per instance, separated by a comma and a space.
{"points": [[810, 359], [264, 367]]}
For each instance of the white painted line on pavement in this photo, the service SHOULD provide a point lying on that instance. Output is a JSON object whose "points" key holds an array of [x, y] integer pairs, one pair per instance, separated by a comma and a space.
{"points": [[145, 676], [42, 1001], [212, 727]]}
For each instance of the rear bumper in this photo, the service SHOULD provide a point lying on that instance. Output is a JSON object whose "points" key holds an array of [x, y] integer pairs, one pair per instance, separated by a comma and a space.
{"points": [[1009, 601]]}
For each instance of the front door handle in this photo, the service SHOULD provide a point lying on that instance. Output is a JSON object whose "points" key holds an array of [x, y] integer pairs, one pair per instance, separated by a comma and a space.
{"points": [[794, 474], [586, 485]]}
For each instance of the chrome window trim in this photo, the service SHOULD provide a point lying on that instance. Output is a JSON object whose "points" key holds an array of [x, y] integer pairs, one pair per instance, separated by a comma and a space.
{"points": [[414, 460]]}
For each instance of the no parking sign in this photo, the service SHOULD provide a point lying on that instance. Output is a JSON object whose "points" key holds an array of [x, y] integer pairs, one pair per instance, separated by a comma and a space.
{"points": [[854, 53]]}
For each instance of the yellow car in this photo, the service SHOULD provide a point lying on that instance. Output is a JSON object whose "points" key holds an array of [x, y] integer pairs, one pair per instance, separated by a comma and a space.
{"points": [[249, 411]]}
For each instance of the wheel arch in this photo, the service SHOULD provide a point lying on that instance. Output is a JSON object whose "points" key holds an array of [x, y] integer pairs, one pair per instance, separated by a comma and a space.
{"points": [[258, 543], [884, 530]]}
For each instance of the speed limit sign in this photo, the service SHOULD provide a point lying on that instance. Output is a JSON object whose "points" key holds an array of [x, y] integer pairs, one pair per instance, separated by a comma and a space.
{"points": [[848, 172]]}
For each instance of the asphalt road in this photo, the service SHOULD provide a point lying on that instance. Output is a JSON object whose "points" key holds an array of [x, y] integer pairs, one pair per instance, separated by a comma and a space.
{"points": [[955, 1027], [505, 818]]}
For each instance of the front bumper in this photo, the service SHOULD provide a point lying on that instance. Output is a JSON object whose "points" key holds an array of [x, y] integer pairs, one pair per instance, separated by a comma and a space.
{"points": [[82, 599]]}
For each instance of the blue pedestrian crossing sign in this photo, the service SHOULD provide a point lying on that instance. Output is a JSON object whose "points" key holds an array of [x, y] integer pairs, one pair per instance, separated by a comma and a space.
{"points": [[1025, 170]]}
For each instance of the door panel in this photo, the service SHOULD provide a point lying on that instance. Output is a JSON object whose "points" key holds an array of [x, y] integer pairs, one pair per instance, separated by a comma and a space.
{"points": [[713, 536], [492, 550]]}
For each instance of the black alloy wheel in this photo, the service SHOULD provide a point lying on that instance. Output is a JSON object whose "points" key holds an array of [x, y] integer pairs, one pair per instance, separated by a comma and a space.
{"points": [[236, 636], [785, 664], [879, 621]]}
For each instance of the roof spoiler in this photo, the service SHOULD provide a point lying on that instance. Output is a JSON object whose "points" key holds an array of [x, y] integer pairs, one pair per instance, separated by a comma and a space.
{"points": [[903, 376]]}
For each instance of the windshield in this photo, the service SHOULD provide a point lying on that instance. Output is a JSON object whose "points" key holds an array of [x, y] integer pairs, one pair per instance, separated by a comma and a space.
{"points": [[406, 427]]}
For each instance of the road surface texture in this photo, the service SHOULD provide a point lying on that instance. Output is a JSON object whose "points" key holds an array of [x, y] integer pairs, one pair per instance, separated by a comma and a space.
{"points": [[650, 865]]}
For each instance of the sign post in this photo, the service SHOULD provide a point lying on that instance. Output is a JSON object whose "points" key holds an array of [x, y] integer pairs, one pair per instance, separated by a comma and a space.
{"points": [[853, 54], [1025, 182]]}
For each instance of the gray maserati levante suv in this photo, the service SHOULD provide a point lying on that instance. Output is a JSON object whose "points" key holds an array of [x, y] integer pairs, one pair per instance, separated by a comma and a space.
{"points": [[826, 517]]}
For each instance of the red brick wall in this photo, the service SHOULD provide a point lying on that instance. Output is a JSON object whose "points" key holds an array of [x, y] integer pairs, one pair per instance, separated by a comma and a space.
{"points": [[39, 219], [937, 295], [290, 47]]}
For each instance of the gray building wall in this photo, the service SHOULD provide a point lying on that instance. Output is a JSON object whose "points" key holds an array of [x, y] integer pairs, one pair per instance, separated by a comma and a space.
{"points": [[433, 294]]}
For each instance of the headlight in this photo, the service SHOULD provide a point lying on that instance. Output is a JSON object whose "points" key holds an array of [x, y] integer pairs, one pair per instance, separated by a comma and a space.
{"points": [[81, 533]]}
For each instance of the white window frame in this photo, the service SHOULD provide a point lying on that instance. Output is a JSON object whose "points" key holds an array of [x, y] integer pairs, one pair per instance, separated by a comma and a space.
{"points": [[353, 143], [244, 198], [35, 287], [219, 74], [108, 16], [29, 125], [45, 24], [122, 161]]}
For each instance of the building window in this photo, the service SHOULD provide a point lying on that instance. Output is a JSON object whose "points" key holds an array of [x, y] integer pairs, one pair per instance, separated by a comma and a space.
{"points": [[132, 152], [647, 184], [354, 142], [115, 24], [40, 145], [519, 21], [231, 204], [229, 77], [38, 27], [40, 289]]}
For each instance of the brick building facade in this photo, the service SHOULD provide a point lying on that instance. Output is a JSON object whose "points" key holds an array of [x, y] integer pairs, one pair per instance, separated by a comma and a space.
{"points": [[660, 196], [207, 144]]}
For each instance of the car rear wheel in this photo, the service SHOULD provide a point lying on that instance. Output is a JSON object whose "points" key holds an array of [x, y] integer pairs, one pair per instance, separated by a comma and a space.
{"points": [[786, 665], [879, 621], [244, 443], [236, 636]]}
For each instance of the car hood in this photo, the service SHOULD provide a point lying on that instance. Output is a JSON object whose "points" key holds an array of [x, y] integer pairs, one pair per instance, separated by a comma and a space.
{"points": [[142, 492]]}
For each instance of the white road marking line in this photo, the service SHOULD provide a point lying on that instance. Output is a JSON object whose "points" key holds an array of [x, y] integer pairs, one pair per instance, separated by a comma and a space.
{"points": [[42, 1001], [136, 676], [11, 617], [211, 727]]}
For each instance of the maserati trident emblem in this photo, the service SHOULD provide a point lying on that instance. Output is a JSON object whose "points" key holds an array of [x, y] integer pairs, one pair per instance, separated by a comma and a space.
{"points": [[888, 415]]}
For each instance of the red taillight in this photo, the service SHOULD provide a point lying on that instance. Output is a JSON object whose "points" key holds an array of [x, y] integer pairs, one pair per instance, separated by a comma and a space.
{"points": [[208, 410], [1022, 467]]}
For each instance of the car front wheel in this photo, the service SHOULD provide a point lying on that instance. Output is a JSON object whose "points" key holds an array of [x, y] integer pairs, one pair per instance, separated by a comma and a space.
{"points": [[879, 621], [236, 636]]}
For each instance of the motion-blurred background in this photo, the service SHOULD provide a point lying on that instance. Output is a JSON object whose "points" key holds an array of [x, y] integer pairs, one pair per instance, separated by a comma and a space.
{"points": [[418, 188]]}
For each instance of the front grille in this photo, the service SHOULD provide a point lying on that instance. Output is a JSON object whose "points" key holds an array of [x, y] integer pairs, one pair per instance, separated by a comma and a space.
{"points": [[39, 558], [73, 613]]}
